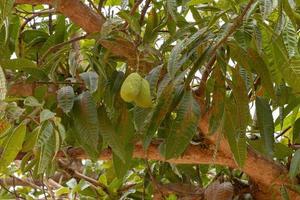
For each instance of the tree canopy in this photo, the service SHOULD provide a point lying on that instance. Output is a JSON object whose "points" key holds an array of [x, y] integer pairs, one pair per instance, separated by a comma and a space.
{"points": [[150, 99]]}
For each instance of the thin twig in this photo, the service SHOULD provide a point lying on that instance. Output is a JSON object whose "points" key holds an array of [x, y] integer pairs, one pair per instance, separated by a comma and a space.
{"points": [[144, 11], [236, 24], [283, 132], [58, 83], [26, 182], [95, 7], [78, 175], [27, 20], [133, 10], [213, 51]]}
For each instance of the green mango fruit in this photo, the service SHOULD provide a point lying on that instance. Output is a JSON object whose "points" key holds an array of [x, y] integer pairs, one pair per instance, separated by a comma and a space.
{"points": [[131, 87], [144, 99]]}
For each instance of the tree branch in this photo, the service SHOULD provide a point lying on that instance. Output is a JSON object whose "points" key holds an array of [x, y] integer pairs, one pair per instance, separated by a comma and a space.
{"points": [[91, 22]]}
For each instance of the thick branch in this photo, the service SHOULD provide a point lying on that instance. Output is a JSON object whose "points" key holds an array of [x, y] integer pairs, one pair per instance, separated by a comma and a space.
{"points": [[91, 22]]}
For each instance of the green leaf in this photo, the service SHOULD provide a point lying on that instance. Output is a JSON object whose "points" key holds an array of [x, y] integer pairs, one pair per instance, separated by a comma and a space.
{"points": [[284, 193], [110, 135], [295, 165], [31, 35], [152, 22], [90, 80], [31, 101], [174, 58], [46, 115], [291, 73], [265, 123], [282, 151], [234, 136], [266, 7], [172, 8], [197, 2], [17, 64], [31, 139], [65, 98], [3, 89], [290, 38], [157, 115], [125, 133], [60, 29], [45, 133], [184, 126], [5, 126], [12, 146], [47, 154], [296, 131], [153, 78], [131, 20], [218, 100], [86, 124], [240, 96], [22, 64]]}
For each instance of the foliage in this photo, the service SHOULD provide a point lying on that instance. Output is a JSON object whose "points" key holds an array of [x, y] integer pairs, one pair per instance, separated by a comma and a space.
{"points": [[245, 68]]}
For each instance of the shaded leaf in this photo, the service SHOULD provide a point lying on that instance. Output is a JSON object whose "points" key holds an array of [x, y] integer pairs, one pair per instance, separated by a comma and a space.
{"points": [[65, 98], [295, 165], [265, 123], [86, 124], [90, 80], [184, 126]]}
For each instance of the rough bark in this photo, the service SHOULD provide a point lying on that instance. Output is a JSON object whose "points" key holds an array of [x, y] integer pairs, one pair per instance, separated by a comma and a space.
{"points": [[92, 22]]}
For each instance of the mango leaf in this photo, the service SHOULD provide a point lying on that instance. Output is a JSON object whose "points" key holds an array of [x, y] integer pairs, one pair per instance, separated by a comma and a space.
{"points": [[3, 89], [290, 39], [22, 64], [265, 123], [12, 146], [157, 115], [45, 133], [31, 139], [172, 9], [6, 7], [282, 151], [249, 60], [46, 115], [184, 127], [284, 193], [4, 127], [152, 22], [60, 29], [266, 8], [65, 98], [90, 80], [125, 133], [296, 131], [47, 154], [31, 101], [86, 124], [240, 96], [197, 2], [153, 78], [109, 134], [174, 59], [131, 20], [295, 165], [236, 139], [218, 101]]}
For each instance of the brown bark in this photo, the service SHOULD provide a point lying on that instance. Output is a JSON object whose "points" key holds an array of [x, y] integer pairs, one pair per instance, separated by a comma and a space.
{"points": [[92, 22]]}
